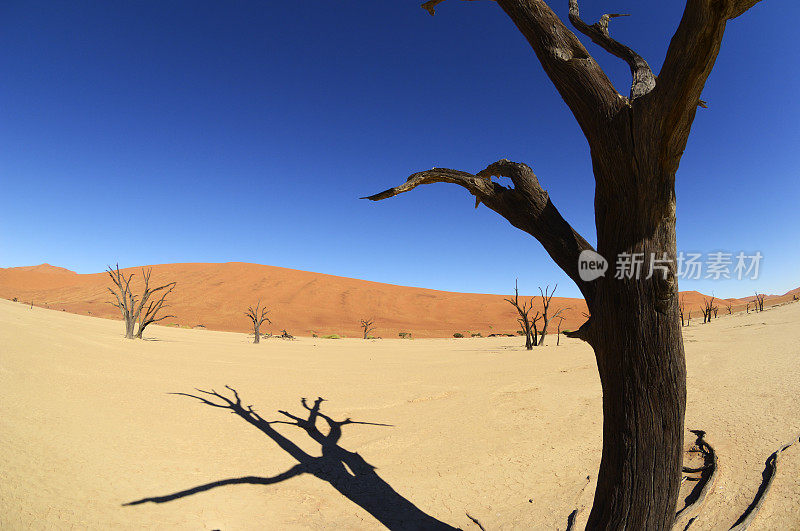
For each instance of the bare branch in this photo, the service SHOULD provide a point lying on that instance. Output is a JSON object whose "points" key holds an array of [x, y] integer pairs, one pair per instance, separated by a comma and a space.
{"points": [[526, 206], [738, 7], [126, 300], [580, 81], [687, 65], [153, 307], [643, 79], [547, 296]]}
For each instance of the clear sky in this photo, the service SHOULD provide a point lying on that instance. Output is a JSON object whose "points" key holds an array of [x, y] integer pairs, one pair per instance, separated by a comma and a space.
{"points": [[162, 131]]}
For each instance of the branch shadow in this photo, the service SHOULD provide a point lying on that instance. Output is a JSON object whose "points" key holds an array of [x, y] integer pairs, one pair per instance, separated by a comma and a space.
{"points": [[346, 471]]}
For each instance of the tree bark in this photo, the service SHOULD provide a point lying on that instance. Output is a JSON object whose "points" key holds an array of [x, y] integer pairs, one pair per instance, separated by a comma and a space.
{"points": [[637, 340], [129, 326]]}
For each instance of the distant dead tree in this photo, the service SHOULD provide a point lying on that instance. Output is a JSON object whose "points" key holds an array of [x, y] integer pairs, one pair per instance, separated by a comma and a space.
{"points": [[257, 315], [760, 301], [528, 324], [707, 309], [747, 308], [143, 309], [558, 329], [729, 308], [366, 324], [546, 297], [682, 308]]}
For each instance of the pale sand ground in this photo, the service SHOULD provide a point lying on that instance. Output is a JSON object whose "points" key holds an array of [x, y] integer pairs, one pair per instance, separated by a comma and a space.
{"points": [[478, 425]]}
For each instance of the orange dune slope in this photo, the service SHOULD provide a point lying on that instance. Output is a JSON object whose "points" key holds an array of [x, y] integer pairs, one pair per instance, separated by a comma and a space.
{"points": [[303, 303]]}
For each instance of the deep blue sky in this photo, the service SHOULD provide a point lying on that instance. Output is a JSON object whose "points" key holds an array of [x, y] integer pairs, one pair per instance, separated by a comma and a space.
{"points": [[156, 132]]}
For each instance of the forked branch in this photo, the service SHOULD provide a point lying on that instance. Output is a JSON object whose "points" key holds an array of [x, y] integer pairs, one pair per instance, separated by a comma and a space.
{"points": [[643, 79], [687, 65], [580, 81], [147, 315]]}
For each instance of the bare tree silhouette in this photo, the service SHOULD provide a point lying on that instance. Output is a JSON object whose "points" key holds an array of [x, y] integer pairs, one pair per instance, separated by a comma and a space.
{"points": [[546, 297], [346, 471], [528, 324], [366, 324], [132, 306], [681, 309], [558, 330], [708, 309], [759, 302], [258, 316]]}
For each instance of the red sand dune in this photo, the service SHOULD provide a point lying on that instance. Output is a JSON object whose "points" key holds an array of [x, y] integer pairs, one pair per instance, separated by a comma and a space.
{"points": [[217, 295]]}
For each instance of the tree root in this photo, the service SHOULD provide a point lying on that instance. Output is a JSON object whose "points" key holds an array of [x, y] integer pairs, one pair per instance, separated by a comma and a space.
{"points": [[770, 468], [571, 520], [708, 475]]}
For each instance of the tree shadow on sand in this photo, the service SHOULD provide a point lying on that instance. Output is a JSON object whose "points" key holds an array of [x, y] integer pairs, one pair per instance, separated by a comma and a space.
{"points": [[346, 471]]}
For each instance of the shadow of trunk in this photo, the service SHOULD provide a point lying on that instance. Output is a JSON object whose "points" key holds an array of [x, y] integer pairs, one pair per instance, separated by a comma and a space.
{"points": [[346, 471]]}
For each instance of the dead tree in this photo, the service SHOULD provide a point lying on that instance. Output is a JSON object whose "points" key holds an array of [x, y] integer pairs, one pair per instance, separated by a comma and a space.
{"points": [[759, 302], [681, 308], [528, 324], [134, 308], [257, 315], [558, 330], [707, 309], [636, 144], [729, 308], [546, 297], [366, 325]]}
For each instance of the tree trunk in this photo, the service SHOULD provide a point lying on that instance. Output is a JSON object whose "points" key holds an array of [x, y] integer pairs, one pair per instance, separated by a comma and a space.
{"points": [[640, 359], [129, 326], [256, 334], [642, 372], [636, 335]]}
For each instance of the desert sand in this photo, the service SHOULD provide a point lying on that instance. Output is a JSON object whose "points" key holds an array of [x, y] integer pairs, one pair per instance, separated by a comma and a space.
{"points": [[304, 303], [478, 426]]}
